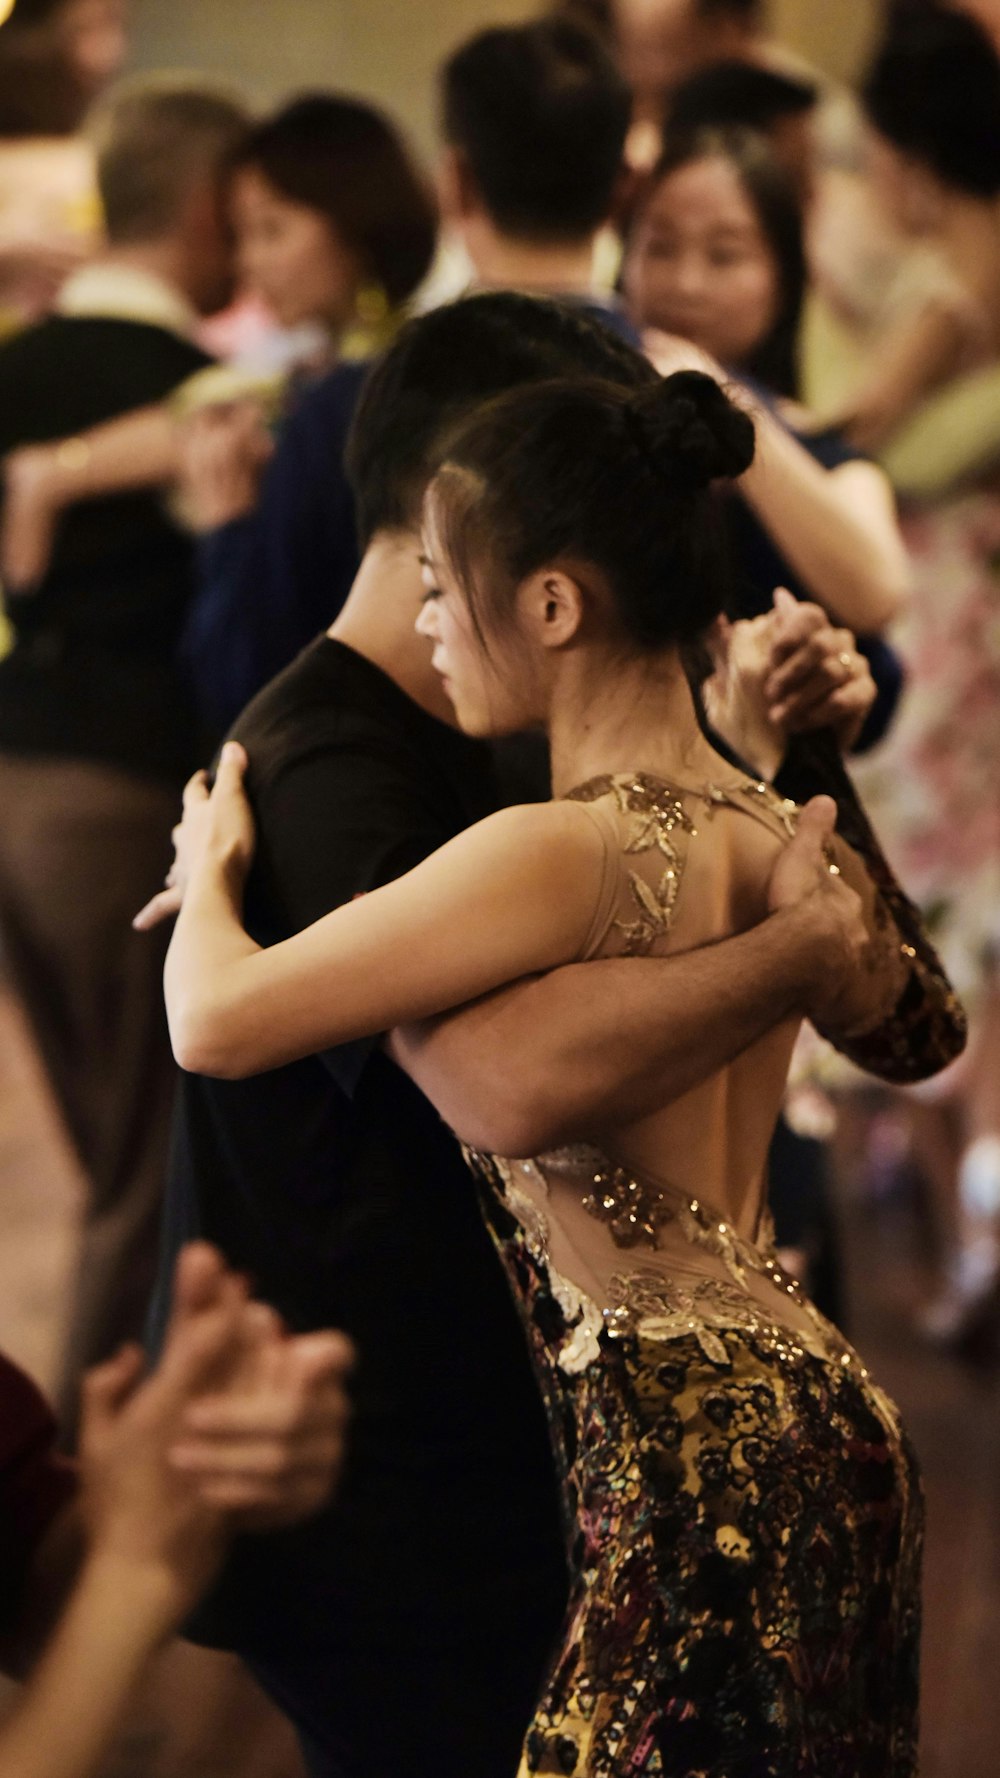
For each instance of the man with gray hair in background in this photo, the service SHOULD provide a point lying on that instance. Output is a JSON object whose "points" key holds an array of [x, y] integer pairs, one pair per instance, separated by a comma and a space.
{"points": [[97, 730]]}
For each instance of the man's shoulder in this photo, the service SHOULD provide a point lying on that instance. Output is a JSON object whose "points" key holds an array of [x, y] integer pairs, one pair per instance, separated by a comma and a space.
{"points": [[79, 333], [319, 705], [67, 372]]}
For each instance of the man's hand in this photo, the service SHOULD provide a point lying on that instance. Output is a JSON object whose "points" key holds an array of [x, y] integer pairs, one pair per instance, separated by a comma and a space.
{"points": [[817, 678], [224, 450], [807, 878]]}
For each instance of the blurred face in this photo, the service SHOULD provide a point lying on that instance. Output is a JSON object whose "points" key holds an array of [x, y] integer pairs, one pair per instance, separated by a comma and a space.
{"points": [[489, 690], [291, 256], [94, 36], [699, 264], [211, 261]]}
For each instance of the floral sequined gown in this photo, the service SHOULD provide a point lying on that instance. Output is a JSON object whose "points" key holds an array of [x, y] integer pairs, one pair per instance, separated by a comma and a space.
{"points": [[742, 1506]]}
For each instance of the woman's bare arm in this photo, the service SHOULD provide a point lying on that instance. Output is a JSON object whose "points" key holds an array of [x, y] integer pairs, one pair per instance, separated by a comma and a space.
{"points": [[512, 896], [836, 527], [140, 450]]}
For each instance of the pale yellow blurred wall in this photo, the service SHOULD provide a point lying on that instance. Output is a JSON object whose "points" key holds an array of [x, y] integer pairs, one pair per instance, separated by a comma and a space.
{"points": [[383, 49], [837, 35], [389, 49]]}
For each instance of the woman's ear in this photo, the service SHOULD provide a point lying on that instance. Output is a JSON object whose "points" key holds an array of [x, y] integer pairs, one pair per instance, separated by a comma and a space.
{"points": [[551, 604]]}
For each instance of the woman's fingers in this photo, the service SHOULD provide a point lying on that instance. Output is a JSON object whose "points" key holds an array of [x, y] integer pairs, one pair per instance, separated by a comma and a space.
{"points": [[230, 770], [162, 907], [195, 792]]}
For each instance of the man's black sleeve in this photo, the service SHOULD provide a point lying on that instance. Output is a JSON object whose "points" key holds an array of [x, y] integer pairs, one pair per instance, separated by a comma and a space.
{"points": [[335, 824]]}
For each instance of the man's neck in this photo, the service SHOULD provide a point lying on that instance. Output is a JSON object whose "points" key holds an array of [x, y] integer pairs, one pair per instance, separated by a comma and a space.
{"points": [[379, 617], [550, 268], [162, 260]]}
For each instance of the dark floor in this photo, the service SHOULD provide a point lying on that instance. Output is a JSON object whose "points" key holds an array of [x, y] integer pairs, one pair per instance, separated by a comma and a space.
{"points": [[953, 1414]]}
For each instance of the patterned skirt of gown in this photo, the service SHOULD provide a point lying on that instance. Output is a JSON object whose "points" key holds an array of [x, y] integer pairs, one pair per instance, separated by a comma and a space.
{"points": [[744, 1519]]}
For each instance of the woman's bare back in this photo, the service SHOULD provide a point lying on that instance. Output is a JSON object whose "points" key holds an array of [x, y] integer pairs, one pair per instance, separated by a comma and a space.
{"points": [[679, 1196]]}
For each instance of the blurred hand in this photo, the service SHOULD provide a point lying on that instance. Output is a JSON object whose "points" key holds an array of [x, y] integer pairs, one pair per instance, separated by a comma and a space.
{"points": [[217, 822], [668, 352], [240, 1427], [224, 450], [269, 1447], [817, 678], [734, 696], [31, 509], [137, 1508]]}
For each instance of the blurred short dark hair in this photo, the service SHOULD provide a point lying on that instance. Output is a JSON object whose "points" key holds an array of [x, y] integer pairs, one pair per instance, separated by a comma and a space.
{"points": [[540, 113], [933, 91], [739, 95], [444, 365], [344, 159]]}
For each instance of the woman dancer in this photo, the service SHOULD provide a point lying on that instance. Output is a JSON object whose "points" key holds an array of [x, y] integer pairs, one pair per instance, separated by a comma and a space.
{"points": [[742, 1506]]}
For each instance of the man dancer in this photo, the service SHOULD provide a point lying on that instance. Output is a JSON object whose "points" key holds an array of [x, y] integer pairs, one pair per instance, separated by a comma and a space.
{"points": [[406, 1631], [97, 731], [534, 118]]}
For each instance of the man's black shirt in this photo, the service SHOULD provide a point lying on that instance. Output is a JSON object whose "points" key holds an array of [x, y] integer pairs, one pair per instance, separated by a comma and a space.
{"points": [[334, 1183], [94, 673]]}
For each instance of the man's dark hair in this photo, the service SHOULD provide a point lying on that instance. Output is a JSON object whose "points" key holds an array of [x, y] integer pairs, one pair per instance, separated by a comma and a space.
{"points": [[444, 365], [739, 95], [344, 159], [540, 113], [934, 92]]}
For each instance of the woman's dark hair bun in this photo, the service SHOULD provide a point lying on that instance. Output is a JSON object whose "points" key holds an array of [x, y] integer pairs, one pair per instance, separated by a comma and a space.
{"points": [[688, 430]]}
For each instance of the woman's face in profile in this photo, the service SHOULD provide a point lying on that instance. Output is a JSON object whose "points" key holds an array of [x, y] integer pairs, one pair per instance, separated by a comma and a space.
{"points": [[488, 687], [699, 263], [291, 256]]}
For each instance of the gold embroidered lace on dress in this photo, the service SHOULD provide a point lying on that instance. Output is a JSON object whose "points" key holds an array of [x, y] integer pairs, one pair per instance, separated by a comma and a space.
{"points": [[656, 817]]}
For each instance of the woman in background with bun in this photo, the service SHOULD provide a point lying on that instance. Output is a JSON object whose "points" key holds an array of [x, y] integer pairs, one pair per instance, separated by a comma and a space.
{"points": [[742, 1504]]}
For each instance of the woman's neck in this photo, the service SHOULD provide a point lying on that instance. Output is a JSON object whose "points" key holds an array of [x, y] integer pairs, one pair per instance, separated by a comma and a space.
{"points": [[608, 716]]}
